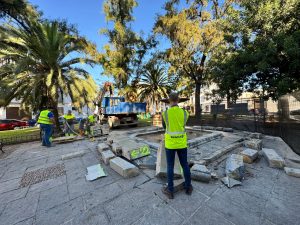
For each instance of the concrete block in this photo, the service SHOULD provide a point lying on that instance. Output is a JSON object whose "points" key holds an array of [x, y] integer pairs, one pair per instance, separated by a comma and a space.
{"points": [[200, 173], [161, 163], [235, 168], [249, 155], [105, 129], [124, 168], [256, 135], [107, 156], [254, 144], [219, 128], [208, 128], [274, 160], [227, 129], [102, 147], [72, 155], [116, 148], [292, 172], [134, 150]]}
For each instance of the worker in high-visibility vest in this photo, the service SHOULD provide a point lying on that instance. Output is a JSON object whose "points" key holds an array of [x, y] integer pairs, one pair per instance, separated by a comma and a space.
{"points": [[69, 123], [174, 121], [46, 121], [91, 120]]}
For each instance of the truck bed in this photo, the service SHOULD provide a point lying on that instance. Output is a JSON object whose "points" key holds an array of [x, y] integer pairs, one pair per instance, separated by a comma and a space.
{"points": [[125, 108]]}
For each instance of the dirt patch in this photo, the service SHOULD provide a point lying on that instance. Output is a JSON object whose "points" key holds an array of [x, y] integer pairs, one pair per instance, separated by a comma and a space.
{"points": [[158, 136]]}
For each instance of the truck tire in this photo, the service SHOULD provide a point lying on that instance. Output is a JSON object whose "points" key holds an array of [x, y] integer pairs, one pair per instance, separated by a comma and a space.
{"points": [[110, 123]]}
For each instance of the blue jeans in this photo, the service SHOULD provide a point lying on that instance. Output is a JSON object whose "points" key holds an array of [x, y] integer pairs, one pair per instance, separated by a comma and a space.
{"points": [[182, 155], [46, 134]]}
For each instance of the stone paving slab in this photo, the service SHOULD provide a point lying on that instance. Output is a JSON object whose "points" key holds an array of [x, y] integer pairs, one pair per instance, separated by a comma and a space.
{"points": [[19, 210]]}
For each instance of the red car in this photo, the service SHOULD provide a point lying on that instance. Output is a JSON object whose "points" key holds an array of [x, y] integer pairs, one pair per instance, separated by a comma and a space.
{"points": [[12, 124]]}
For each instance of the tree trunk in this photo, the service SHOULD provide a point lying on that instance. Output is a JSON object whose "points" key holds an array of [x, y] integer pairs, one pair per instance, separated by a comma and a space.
{"points": [[197, 102], [55, 112]]}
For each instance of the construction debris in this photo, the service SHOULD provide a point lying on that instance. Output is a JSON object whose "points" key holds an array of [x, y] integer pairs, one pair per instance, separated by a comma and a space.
{"points": [[133, 150], [200, 173], [235, 167], [66, 139], [161, 163], [249, 155], [292, 172], [107, 156], [274, 160], [124, 168], [102, 147], [94, 172], [229, 182], [73, 155], [254, 144]]}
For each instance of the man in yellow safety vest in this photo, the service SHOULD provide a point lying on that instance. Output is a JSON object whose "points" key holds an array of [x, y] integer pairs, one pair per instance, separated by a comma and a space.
{"points": [[46, 121], [174, 121], [91, 120], [69, 122]]}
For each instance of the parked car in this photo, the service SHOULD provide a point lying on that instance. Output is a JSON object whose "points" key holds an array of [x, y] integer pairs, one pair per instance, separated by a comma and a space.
{"points": [[8, 124]]}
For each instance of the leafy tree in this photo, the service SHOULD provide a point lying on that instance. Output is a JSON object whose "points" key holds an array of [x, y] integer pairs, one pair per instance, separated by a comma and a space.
{"points": [[267, 59], [125, 51], [43, 65], [154, 84], [194, 32]]}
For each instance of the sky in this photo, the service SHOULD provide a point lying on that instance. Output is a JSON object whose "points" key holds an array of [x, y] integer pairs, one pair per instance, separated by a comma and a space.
{"points": [[89, 18]]}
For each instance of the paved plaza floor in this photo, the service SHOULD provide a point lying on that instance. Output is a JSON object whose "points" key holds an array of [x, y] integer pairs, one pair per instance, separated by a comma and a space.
{"points": [[267, 196]]}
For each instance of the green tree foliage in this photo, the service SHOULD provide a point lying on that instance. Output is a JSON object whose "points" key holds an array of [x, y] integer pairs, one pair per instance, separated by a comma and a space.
{"points": [[44, 64], [154, 84], [194, 32], [125, 51], [266, 57]]}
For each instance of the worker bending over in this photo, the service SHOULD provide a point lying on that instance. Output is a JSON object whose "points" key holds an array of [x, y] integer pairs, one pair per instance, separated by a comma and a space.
{"points": [[46, 121], [69, 123], [174, 121]]}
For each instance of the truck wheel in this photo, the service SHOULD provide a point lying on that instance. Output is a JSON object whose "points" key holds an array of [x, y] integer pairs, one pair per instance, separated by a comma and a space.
{"points": [[110, 123]]}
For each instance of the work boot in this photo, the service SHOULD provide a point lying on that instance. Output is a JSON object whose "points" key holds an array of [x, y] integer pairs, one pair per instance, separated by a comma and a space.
{"points": [[168, 193], [189, 190]]}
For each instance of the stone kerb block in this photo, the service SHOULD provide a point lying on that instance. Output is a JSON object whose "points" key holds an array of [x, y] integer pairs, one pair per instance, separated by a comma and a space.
{"points": [[235, 168], [73, 155], [273, 159], [124, 168], [249, 155], [254, 144], [102, 147], [292, 172], [134, 150], [116, 148], [161, 163], [107, 156], [255, 135], [200, 173], [227, 129]]}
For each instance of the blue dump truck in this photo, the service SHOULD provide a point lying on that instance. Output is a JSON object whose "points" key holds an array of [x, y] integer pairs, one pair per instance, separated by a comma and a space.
{"points": [[117, 112]]}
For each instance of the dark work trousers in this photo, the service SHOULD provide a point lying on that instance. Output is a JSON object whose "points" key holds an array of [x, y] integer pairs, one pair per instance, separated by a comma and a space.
{"points": [[182, 155]]}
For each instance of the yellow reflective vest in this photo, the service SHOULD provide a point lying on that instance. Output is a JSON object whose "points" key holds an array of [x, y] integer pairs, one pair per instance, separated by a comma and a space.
{"points": [[69, 117], [91, 119], [43, 118], [175, 136]]}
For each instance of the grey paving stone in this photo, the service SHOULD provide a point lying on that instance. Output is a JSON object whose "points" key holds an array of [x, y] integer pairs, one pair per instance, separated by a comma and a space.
{"points": [[185, 204], [294, 172], [102, 195], [90, 159], [13, 195], [206, 188], [47, 184], [133, 182], [160, 214], [9, 185], [72, 164], [60, 214], [26, 222], [232, 211], [207, 216], [122, 210], [94, 216], [76, 174], [281, 212], [79, 188], [53, 197], [19, 210], [9, 175]]}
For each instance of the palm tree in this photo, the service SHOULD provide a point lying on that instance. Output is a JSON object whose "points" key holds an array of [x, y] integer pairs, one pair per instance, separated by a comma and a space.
{"points": [[154, 85], [43, 64]]}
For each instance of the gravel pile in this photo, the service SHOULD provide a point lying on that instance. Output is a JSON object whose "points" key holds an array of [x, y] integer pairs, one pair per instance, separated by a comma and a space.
{"points": [[37, 176]]}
